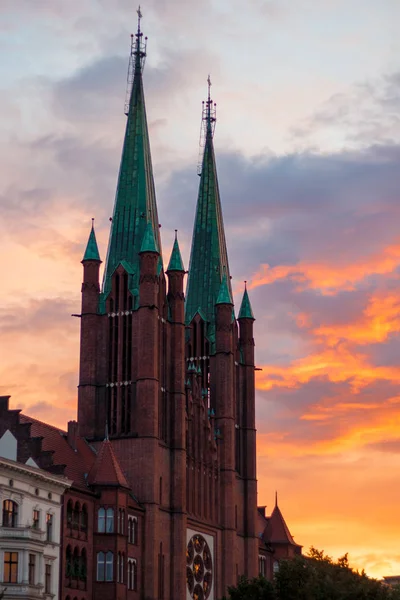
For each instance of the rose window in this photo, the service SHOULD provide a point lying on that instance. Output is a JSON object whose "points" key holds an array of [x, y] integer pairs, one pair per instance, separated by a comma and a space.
{"points": [[198, 568]]}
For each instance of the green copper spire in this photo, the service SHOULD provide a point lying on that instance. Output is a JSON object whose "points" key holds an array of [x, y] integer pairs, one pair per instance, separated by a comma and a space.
{"points": [[208, 258], [224, 295], [149, 242], [175, 262], [246, 312], [92, 251], [135, 201]]}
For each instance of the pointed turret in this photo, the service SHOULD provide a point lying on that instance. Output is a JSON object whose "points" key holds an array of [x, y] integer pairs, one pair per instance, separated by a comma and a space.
{"points": [[92, 251], [106, 470], [176, 262], [208, 258], [278, 531], [224, 294], [135, 201], [149, 242], [246, 312]]}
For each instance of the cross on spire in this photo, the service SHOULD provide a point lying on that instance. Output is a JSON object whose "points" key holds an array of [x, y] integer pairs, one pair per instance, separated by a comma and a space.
{"points": [[140, 15]]}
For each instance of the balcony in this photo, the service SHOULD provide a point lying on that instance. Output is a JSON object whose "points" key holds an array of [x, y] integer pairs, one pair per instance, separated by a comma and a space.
{"points": [[22, 533], [21, 590]]}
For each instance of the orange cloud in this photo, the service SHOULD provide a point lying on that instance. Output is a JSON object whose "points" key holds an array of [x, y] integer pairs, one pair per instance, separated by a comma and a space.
{"points": [[329, 278], [337, 364], [381, 318]]}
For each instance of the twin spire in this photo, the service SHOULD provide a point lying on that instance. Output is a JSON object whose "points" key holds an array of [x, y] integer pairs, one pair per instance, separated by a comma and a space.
{"points": [[208, 266], [135, 202], [135, 227]]}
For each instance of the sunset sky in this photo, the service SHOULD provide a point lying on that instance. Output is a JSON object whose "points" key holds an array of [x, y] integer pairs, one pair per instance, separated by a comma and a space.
{"points": [[308, 156]]}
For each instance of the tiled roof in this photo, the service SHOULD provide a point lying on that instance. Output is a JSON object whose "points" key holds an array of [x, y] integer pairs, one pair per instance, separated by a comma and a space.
{"points": [[277, 531], [106, 469], [77, 462]]}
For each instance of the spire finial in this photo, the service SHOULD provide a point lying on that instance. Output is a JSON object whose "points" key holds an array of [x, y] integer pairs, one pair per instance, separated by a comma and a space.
{"points": [[139, 14], [276, 498], [176, 234], [245, 284], [208, 120]]}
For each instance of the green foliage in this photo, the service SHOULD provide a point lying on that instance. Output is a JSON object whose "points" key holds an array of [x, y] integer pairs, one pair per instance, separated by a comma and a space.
{"points": [[314, 577], [258, 588]]}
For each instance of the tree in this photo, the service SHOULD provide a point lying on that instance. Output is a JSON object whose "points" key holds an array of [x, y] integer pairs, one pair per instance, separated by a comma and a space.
{"points": [[258, 588], [314, 577]]}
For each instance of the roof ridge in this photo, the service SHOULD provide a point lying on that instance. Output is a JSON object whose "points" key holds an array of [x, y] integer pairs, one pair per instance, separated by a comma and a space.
{"points": [[63, 431]]}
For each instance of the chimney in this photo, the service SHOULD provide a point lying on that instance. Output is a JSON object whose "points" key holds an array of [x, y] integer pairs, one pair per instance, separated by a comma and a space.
{"points": [[72, 434], [261, 509]]}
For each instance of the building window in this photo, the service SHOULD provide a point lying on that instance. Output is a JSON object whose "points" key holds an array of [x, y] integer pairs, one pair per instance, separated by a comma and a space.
{"points": [[131, 574], [101, 520], [36, 519], [109, 566], [105, 566], [49, 527], [83, 566], [120, 567], [68, 563], [10, 513], [100, 566], [10, 567], [75, 564], [275, 566], [32, 569], [84, 518], [109, 520], [47, 579], [262, 563], [70, 511], [132, 530], [75, 516], [105, 520], [121, 521]]}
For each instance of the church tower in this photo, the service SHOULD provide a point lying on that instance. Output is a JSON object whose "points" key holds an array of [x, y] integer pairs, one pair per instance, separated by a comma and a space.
{"points": [[221, 477], [172, 379]]}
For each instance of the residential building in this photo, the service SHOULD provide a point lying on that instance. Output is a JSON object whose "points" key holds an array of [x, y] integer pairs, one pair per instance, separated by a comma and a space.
{"points": [[276, 543], [30, 528]]}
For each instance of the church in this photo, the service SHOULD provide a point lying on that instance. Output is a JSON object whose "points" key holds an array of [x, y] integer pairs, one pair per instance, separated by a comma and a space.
{"points": [[171, 376], [163, 504]]}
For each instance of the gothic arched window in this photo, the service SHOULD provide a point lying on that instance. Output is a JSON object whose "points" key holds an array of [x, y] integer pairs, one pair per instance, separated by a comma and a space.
{"points": [[70, 510], [76, 564], [10, 513], [68, 562], [101, 520], [109, 566], [132, 530], [75, 516], [83, 566], [109, 520], [101, 565], [132, 576], [84, 518]]}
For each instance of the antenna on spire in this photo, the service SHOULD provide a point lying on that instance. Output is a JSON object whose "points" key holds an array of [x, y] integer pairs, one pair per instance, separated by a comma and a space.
{"points": [[208, 120], [137, 59]]}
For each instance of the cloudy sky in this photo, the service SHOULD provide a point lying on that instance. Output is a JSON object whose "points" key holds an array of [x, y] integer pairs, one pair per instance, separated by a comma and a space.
{"points": [[308, 152]]}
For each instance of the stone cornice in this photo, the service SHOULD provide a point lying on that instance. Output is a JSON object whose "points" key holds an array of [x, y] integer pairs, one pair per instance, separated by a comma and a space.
{"points": [[35, 473]]}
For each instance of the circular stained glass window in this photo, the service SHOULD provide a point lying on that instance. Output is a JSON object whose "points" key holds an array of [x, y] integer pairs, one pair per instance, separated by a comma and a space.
{"points": [[199, 571]]}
